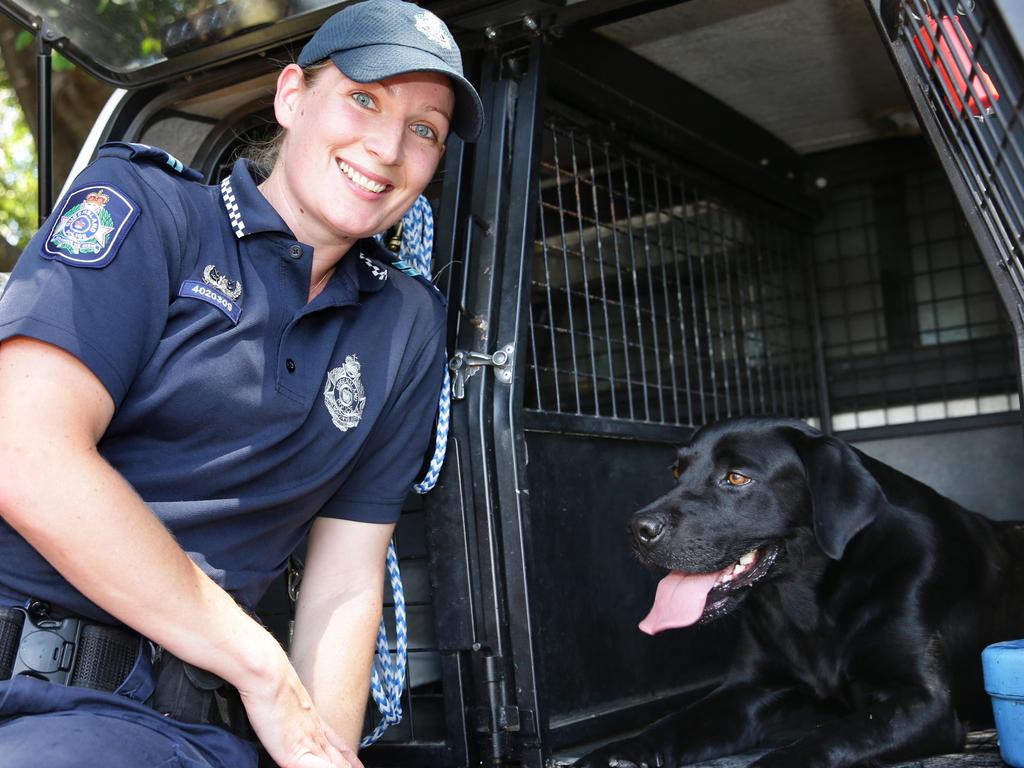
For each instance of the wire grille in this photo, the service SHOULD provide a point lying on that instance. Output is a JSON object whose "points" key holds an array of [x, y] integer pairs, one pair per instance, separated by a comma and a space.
{"points": [[911, 325], [962, 52], [658, 299]]}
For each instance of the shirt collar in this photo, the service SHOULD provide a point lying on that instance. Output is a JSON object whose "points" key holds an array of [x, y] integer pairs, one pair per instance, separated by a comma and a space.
{"points": [[250, 213], [367, 264], [248, 210]]}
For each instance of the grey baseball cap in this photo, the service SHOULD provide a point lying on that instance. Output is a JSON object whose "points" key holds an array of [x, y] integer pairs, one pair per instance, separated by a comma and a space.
{"points": [[377, 39]]}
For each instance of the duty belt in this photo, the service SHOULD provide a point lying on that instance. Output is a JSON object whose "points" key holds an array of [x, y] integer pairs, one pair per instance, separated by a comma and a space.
{"points": [[68, 650], [65, 649]]}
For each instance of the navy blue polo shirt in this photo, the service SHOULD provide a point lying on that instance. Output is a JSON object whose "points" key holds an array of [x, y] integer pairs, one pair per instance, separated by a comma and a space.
{"points": [[242, 412]]}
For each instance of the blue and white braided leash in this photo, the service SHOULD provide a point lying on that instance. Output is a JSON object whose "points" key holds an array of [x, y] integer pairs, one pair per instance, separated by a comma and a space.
{"points": [[414, 259], [387, 679]]}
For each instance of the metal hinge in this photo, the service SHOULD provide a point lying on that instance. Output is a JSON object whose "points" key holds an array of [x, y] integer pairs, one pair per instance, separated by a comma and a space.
{"points": [[464, 364], [495, 722]]}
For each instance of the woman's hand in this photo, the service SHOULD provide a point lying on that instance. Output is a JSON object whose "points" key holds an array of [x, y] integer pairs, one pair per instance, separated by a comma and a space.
{"points": [[282, 714]]}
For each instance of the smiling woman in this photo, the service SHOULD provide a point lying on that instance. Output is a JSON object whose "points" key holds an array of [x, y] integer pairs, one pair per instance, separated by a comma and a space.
{"points": [[354, 156]]}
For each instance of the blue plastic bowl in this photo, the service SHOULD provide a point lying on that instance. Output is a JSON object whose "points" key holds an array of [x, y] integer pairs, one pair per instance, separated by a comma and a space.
{"points": [[1003, 667]]}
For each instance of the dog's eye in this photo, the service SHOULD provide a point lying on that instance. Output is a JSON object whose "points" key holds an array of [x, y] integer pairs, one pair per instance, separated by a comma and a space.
{"points": [[735, 478]]}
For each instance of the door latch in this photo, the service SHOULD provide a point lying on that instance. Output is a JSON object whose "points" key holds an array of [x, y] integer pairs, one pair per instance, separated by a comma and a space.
{"points": [[465, 364]]}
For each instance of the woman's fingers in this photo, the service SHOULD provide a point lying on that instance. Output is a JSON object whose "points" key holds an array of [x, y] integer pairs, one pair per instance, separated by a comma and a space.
{"points": [[337, 744], [290, 728], [312, 761]]}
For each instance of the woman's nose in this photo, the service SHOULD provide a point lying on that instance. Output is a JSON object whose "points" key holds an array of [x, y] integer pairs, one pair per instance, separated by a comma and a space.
{"points": [[385, 141]]}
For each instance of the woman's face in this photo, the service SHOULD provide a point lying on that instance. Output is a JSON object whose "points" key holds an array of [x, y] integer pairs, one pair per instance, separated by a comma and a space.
{"points": [[356, 155]]}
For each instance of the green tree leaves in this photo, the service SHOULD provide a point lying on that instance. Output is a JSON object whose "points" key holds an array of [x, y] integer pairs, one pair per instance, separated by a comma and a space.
{"points": [[58, 62], [17, 170]]}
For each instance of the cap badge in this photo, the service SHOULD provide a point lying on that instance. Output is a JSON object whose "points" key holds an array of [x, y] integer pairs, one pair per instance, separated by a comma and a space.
{"points": [[344, 395], [434, 29], [230, 288]]}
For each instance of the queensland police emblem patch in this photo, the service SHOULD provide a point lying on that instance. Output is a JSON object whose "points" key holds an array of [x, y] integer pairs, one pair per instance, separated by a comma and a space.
{"points": [[91, 227], [344, 395]]}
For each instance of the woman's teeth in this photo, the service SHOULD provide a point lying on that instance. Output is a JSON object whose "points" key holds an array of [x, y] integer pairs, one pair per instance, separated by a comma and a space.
{"points": [[360, 180]]}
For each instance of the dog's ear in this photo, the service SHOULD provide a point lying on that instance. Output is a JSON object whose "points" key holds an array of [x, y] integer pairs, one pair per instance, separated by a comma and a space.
{"points": [[845, 496]]}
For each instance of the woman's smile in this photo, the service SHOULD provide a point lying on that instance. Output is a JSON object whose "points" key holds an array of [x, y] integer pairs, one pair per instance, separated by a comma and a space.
{"points": [[364, 182]]}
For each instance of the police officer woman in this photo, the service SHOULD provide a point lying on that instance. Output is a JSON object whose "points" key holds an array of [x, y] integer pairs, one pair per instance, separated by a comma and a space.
{"points": [[193, 378]]}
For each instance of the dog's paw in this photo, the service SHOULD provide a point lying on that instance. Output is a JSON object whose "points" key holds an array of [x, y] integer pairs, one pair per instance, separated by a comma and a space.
{"points": [[623, 754]]}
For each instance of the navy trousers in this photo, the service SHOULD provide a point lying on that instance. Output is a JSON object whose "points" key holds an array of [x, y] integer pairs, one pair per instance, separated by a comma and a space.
{"points": [[44, 724]]}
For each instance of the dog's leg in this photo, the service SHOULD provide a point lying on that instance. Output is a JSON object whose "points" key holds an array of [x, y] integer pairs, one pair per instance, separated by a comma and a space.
{"points": [[733, 718], [901, 727]]}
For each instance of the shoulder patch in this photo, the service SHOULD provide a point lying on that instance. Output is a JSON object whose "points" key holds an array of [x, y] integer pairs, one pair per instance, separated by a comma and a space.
{"points": [[143, 153], [91, 227]]}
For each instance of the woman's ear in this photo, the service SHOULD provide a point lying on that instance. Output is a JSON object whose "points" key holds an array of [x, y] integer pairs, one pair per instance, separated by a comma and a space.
{"points": [[290, 87]]}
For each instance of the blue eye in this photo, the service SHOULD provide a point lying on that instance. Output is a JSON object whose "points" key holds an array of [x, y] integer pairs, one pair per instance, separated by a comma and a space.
{"points": [[363, 99], [424, 131]]}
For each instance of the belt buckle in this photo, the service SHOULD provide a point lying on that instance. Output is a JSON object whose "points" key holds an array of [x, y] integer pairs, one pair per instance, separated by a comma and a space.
{"points": [[48, 646]]}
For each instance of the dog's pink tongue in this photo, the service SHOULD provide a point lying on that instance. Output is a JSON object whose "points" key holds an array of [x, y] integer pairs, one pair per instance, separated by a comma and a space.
{"points": [[679, 601]]}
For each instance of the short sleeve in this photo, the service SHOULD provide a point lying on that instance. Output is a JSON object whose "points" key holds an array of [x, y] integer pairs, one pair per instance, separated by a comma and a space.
{"points": [[95, 280], [378, 485]]}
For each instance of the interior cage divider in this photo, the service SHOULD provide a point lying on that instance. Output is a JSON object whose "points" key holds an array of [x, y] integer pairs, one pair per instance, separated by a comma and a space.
{"points": [[981, 154], [525, 718], [500, 670]]}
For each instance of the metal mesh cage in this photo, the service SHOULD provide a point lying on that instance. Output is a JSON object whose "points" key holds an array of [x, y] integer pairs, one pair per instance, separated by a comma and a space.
{"points": [[967, 65], [911, 325], [657, 298]]}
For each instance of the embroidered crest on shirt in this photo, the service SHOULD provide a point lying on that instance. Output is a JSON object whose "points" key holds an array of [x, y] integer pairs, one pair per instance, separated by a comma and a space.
{"points": [[381, 273], [230, 288], [344, 395], [434, 29], [91, 227]]}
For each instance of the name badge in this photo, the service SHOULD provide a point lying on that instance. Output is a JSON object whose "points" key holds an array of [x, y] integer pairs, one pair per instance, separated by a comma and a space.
{"points": [[193, 289]]}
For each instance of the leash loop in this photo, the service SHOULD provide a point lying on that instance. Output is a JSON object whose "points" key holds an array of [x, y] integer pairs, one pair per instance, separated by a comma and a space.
{"points": [[387, 678]]}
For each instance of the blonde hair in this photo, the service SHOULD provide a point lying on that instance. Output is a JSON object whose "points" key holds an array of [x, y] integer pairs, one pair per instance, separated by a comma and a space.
{"points": [[263, 154]]}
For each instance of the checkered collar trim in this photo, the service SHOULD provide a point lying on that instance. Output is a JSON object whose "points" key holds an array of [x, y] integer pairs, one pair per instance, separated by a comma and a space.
{"points": [[248, 210], [227, 194], [368, 265]]}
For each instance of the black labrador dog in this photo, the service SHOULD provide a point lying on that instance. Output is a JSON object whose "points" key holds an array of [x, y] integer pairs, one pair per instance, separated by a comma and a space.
{"points": [[864, 600]]}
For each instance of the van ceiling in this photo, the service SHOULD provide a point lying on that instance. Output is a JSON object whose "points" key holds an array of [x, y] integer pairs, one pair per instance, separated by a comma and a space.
{"points": [[812, 72]]}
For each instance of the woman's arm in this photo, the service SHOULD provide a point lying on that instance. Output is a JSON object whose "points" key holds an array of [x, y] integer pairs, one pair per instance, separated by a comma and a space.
{"points": [[87, 521], [337, 617]]}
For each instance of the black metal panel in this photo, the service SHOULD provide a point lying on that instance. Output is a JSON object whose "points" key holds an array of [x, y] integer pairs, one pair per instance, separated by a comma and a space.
{"points": [[496, 714], [590, 593], [509, 446]]}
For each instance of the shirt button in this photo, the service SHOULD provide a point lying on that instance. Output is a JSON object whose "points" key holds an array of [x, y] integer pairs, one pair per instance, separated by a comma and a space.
{"points": [[295, 251], [290, 365]]}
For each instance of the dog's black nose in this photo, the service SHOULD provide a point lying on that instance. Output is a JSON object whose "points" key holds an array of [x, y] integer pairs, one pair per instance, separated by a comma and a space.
{"points": [[647, 528]]}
